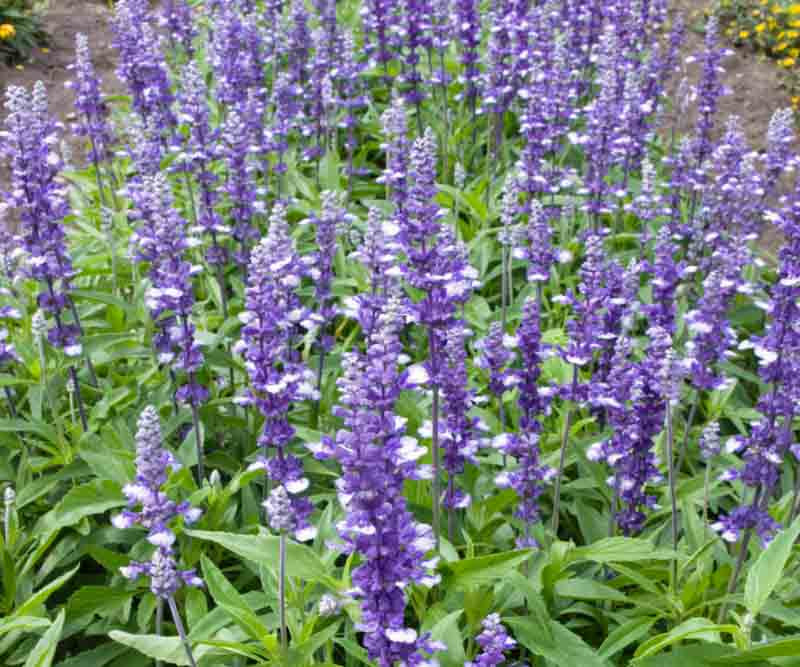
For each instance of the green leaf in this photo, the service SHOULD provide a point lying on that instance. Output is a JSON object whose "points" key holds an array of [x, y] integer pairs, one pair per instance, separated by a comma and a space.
{"points": [[789, 647], [696, 655], [563, 647], [100, 600], [588, 589], [692, 628], [98, 657], [23, 624], [228, 598], [32, 603], [301, 561], [625, 635], [446, 631], [483, 570], [168, 649], [91, 498], [764, 575], [45, 649], [621, 550]]}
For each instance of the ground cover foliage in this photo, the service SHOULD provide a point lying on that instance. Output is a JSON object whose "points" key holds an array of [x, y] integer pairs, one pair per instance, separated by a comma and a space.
{"points": [[398, 334]]}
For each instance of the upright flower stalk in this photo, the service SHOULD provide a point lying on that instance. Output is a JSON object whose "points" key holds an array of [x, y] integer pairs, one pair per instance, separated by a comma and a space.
{"points": [[272, 318], [377, 457], [437, 266], [160, 240], [93, 112], [158, 515], [29, 143]]}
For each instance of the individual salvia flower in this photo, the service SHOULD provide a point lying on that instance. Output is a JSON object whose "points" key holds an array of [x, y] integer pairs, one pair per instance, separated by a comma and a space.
{"points": [[197, 154], [328, 224], [396, 148], [780, 136], [709, 89], [29, 144], [236, 149], [530, 476], [710, 442], [271, 319], [234, 54], [710, 333], [442, 24], [161, 241], [92, 110], [380, 21], [772, 437], [379, 254], [162, 569], [494, 642], [157, 511], [635, 462], [468, 30], [347, 78], [285, 96], [667, 274], [416, 16], [328, 605], [141, 63], [377, 457], [279, 510], [459, 440], [494, 357], [298, 43], [497, 87], [321, 121], [534, 244]]}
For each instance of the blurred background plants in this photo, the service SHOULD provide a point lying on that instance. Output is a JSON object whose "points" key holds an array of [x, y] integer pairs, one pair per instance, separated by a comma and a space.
{"points": [[21, 30]]}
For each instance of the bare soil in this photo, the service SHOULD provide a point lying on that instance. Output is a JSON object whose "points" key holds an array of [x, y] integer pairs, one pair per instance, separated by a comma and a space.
{"points": [[63, 20], [753, 79]]}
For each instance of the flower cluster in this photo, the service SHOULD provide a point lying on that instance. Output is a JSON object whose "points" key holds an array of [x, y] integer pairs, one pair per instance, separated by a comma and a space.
{"points": [[272, 317], [157, 511], [376, 457]]}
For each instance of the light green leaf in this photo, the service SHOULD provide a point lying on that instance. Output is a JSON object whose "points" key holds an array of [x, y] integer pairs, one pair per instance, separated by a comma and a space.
{"points": [[621, 550], [789, 647], [764, 575], [625, 635], [588, 589], [227, 597], [91, 498], [22, 624], [483, 570], [446, 630], [692, 628], [45, 649], [562, 647], [168, 649], [301, 561], [32, 603]]}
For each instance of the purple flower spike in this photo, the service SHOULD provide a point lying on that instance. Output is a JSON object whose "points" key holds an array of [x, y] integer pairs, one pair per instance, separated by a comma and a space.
{"points": [[93, 112], [494, 642], [377, 457], [272, 321]]}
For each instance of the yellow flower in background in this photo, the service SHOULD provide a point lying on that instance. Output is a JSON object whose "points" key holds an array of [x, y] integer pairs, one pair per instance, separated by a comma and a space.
{"points": [[794, 9], [744, 34], [792, 34], [787, 62], [796, 101], [761, 27], [7, 31]]}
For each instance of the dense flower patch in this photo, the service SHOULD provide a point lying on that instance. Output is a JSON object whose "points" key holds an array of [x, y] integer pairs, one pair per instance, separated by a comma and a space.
{"points": [[398, 334]]}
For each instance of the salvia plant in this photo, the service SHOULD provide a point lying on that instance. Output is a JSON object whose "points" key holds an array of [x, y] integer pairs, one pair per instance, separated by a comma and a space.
{"points": [[405, 334]]}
